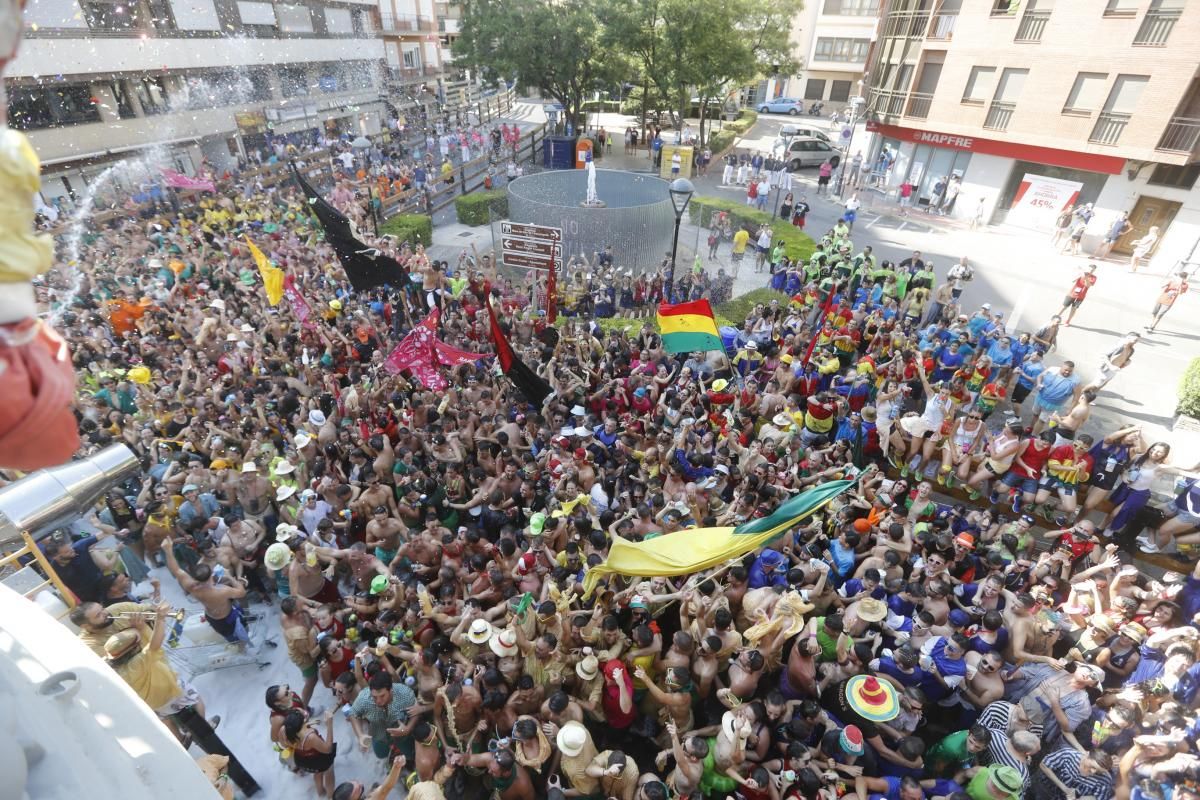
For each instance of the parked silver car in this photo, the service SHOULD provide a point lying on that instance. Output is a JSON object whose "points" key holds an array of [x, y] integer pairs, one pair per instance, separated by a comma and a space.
{"points": [[806, 152]]}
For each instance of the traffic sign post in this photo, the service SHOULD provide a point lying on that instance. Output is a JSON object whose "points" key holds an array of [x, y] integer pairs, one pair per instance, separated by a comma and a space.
{"points": [[537, 247]]}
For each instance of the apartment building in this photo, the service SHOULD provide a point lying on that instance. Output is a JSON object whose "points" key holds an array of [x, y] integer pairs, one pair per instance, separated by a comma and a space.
{"points": [[832, 38], [95, 81], [417, 35], [1040, 103]]}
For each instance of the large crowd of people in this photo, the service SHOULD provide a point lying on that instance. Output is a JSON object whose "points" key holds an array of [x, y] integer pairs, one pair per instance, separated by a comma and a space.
{"points": [[962, 623]]}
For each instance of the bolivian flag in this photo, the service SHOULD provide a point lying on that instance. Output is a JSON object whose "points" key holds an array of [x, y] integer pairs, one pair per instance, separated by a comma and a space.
{"points": [[696, 549], [688, 327]]}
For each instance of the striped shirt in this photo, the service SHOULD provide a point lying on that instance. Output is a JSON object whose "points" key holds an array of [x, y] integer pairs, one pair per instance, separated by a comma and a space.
{"points": [[1064, 764]]}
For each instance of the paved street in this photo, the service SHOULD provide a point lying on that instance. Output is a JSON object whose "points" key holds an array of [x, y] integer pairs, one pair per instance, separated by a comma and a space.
{"points": [[1016, 270]]}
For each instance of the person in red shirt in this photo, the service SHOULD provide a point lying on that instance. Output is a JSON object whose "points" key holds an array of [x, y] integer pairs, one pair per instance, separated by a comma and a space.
{"points": [[1067, 466], [617, 700], [1025, 475], [1171, 291], [717, 394], [1081, 538], [1078, 291]]}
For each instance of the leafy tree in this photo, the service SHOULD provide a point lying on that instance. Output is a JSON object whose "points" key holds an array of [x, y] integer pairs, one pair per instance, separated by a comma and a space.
{"points": [[552, 46], [683, 47]]}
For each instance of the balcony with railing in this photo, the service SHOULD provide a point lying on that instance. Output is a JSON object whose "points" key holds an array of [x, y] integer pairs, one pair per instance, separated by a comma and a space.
{"points": [[999, 114], [941, 27], [1032, 25], [1109, 127], [405, 23], [918, 105], [1182, 135], [887, 103], [410, 74], [1156, 27], [890, 103], [905, 24]]}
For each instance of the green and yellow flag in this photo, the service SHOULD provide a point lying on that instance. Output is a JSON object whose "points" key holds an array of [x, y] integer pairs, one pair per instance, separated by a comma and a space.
{"points": [[696, 549], [272, 276]]}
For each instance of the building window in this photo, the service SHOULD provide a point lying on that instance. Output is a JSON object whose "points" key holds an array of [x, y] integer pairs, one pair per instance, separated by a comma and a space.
{"points": [[339, 20], [839, 91], [1121, 8], [814, 89], [1178, 176], [980, 84], [257, 84], [35, 107], [1011, 83], [120, 93], [1118, 109], [1087, 94], [843, 50], [152, 95], [412, 59], [294, 19], [851, 8], [294, 81], [111, 16], [256, 13]]}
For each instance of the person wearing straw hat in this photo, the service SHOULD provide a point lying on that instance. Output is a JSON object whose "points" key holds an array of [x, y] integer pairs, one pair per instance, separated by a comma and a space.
{"points": [[578, 753], [867, 702]]}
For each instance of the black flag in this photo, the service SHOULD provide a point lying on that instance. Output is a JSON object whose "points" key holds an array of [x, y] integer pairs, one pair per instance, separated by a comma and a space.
{"points": [[366, 267], [527, 382]]}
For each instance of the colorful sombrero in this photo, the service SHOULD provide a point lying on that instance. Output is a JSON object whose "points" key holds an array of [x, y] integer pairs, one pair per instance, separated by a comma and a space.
{"points": [[872, 699]]}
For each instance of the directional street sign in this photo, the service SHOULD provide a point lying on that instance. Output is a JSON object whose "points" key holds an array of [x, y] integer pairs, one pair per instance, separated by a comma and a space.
{"points": [[528, 260], [514, 244], [533, 246], [531, 231]]}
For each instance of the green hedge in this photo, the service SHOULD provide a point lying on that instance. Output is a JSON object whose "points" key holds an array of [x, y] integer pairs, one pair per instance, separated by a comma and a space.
{"points": [[744, 122], [1189, 390], [480, 208], [411, 228], [721, 141], [798, 245], [739, 307]]}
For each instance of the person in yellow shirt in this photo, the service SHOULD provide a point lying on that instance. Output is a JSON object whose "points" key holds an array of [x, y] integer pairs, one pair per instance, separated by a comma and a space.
{"points": [[740, 240], [137, 656]]}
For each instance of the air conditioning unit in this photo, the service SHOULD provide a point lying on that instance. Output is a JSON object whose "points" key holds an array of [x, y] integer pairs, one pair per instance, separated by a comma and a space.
{"points": [[272, 114]]}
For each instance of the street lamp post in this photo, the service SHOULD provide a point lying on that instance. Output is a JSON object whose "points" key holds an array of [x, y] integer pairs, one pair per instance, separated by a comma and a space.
{"points": [[681, 191], [855, 104]]}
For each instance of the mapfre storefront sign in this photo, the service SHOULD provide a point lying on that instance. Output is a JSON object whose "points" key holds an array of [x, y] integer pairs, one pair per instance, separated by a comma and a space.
{"points": [[1092, 162]]}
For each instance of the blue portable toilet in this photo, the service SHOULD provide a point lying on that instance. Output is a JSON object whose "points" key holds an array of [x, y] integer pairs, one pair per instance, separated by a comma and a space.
{"points": [[729, 338], [558, 152]]}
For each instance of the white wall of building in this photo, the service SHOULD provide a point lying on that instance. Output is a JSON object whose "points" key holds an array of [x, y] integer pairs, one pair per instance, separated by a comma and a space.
{"points": [[54, 14], [100, 56], [1120, 194], [985, 177]]}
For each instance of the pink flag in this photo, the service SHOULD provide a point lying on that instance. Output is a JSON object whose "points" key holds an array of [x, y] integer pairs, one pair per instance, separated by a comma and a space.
{"points": [[177, 180], [415, 353], [449, 356], [300, 306]]}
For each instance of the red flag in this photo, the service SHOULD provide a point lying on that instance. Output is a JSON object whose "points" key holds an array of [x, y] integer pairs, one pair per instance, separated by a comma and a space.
{"points": [[300, 306], [415, 353], [528, 382], [449, 356]]}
